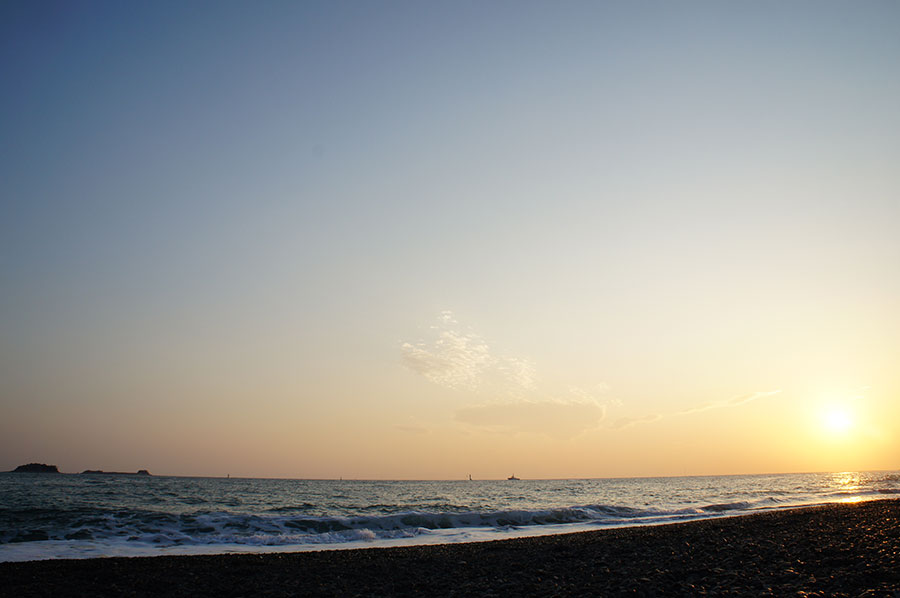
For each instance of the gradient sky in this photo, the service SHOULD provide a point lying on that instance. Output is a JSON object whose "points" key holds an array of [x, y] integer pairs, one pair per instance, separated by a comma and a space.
{"points": [[423, 240]]}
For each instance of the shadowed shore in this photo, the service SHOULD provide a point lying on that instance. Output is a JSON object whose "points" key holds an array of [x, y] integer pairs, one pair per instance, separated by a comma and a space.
{"points": [[835, 550]]}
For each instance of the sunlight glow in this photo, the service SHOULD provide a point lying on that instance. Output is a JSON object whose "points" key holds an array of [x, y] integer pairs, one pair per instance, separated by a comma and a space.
{"points": [[837, 421]]}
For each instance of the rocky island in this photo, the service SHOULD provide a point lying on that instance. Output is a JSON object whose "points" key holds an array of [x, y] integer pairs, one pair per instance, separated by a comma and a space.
{"points": [[44, 468], [36, 468], [101, 472]]}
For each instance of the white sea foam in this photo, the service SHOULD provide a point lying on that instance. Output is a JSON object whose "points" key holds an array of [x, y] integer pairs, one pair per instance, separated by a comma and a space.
{"points": [[75, 517]]}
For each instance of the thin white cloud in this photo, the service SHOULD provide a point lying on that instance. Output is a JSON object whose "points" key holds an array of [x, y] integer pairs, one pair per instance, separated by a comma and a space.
{"points": [[732, 402], [626, 422], [462, 359], [518, 372], [455, 359], [594, 393], [459, 358]]}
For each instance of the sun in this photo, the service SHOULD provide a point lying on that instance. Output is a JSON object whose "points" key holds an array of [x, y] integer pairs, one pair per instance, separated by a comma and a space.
{"points": [[837, 420]]}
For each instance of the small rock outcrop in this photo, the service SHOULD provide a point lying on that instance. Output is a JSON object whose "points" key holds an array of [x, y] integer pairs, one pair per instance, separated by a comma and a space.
{"points": [[36, 468], [101, 472]]}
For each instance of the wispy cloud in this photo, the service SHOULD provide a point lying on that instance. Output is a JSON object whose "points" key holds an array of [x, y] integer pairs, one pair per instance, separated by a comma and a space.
{"points": [[594, 394], [732, 402], [460, 358], [519, 372], [626, 422], [455, 360]]}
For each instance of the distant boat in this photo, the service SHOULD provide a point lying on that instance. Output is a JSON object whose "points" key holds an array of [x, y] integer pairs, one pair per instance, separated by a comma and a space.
{"points": [[512, 477]]}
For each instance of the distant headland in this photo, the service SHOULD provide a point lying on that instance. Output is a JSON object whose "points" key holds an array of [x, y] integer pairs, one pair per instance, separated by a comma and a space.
{"points": [[36, 468], [100, 472], [44, 468]]}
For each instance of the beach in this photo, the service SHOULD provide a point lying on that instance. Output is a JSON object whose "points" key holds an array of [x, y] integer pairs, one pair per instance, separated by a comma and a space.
{"points": [[832, 550]]}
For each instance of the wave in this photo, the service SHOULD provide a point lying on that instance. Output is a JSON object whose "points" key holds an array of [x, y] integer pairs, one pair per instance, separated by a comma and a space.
{"points": [[891, 477], [223, 527], [286, 517], [724, 507]]}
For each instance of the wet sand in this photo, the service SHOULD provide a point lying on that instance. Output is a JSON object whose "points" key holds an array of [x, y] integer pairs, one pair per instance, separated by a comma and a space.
{"points": [[836, 550]]}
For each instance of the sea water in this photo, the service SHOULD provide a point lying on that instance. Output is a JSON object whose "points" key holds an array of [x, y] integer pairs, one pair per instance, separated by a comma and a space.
{"points": [[78, 516]]}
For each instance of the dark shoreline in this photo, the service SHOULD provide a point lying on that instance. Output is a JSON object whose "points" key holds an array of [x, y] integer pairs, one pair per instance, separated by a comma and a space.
{"points": [[833, 550]]}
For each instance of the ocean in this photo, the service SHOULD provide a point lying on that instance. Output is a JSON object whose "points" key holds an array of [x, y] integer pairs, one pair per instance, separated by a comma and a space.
{"points": [[48, 516]]}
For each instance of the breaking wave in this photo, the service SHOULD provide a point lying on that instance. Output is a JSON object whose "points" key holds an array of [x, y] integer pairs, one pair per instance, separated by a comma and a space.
{"points": [[223, 527], [76, 517]]}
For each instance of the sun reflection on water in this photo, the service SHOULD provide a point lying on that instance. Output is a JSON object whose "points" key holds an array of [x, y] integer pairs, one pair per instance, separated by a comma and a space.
{"points": [[846, 481], [852, 499]]}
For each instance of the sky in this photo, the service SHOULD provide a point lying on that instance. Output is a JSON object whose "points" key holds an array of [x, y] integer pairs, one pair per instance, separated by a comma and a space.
{"points": [[411, 240]]}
